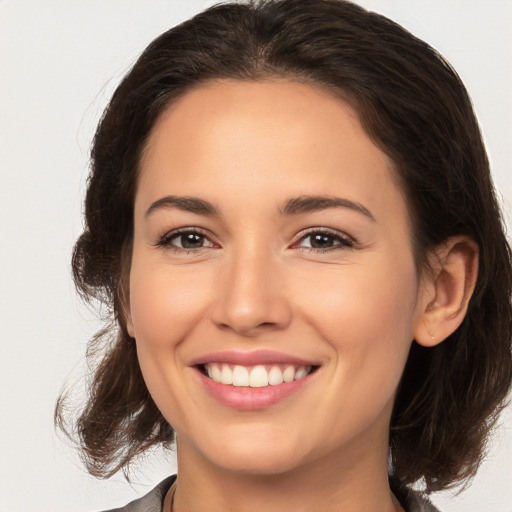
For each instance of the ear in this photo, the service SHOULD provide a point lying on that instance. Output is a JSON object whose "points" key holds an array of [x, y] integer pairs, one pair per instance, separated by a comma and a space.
{"points": [[446, 290], [128, 320]]}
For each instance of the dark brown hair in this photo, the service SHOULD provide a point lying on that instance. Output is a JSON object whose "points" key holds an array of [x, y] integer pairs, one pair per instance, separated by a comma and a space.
{"points": [[416, 109]]}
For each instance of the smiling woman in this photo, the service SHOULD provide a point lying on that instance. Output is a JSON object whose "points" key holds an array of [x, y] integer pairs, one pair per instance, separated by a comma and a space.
{"points": [[291, 215], [289, 282]]}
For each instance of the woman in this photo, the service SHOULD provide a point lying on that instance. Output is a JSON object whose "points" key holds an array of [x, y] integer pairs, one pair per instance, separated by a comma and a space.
{"points": [[291, 214]]}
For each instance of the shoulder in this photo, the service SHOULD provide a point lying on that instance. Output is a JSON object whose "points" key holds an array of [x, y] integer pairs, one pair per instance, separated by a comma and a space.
{"points": [[151, 502], [410, 500]]}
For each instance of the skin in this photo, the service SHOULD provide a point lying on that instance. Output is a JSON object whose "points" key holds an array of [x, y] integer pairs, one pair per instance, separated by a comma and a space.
{"points": [[247, 148]]}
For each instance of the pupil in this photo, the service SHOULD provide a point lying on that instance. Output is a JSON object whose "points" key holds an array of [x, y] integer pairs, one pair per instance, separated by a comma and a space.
{"points": [[321, 241], [191, 241]]}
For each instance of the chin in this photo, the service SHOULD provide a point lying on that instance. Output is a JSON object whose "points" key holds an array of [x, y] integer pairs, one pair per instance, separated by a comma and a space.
{"points": [[277, 464], [253, 456]]}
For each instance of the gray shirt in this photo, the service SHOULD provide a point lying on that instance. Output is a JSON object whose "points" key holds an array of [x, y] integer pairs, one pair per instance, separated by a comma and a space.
{"points": [[410, 500]]}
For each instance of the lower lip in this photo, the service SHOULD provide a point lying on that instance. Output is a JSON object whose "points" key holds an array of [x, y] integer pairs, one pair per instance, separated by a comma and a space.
{"points": [[247, 398]]}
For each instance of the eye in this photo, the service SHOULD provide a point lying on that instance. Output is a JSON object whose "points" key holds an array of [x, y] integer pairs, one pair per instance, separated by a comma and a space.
{"points": [[324, 240], [186, 239]]}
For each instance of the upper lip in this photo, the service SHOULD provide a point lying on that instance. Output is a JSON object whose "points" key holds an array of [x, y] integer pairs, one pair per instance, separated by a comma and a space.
{"points": [[251, 358]]}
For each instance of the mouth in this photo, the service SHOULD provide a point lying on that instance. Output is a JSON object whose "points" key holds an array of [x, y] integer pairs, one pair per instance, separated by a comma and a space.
{"points": [[255, 376], [254, 380]]}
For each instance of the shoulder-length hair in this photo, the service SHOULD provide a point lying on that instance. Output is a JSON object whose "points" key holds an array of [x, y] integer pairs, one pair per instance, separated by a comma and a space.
{"points": [[415, 108]]}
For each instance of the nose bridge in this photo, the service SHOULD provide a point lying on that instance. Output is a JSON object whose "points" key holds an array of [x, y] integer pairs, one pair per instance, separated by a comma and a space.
{"points": [[251, 293]]}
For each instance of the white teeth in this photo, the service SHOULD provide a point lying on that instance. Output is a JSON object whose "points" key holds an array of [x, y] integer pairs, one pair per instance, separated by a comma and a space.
{"points": [[240, 376], [300, 373], [216, 373], [289, 374], [226, 377], [275, 376], [258, 377], [255, 377]]}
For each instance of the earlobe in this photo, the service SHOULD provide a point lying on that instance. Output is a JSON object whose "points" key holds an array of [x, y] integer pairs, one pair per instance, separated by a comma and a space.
{"points": [[127, 314], [448, 290], [129, 324]]}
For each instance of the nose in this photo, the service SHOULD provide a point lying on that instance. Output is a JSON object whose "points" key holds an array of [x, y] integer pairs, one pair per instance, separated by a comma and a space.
{"points": [[251, 296]]}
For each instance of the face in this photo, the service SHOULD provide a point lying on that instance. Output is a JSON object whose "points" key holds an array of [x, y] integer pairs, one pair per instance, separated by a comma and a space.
{"points": [[273, 290]]}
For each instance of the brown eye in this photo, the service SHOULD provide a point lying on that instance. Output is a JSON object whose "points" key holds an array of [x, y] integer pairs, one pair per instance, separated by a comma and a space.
{"points": [[321, 241], [324, 240], [188, 240]]}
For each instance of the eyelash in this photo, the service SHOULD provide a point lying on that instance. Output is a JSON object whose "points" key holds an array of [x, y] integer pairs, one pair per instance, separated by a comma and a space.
{"points": [[341, 241], [166, 240]]}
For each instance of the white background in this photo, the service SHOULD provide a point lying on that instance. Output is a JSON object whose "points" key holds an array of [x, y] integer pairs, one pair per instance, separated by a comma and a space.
{"points": [[59, 63]]}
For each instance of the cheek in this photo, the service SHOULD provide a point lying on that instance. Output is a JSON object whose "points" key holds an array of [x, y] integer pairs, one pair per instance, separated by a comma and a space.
{"points": [[367, 316], [164, 305], [361, 299]]}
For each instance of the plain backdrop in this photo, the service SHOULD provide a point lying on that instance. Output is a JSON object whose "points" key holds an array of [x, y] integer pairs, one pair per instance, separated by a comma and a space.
{"points": [[59, 63]]}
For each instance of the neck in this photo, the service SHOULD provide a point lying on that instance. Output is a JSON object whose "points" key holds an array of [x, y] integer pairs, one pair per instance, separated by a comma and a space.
{"points": [[355, 481]]}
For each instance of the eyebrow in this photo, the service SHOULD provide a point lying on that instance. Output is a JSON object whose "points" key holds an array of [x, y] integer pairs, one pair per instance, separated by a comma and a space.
{"points": [[293, 206], [305, 204], [185, 203]]}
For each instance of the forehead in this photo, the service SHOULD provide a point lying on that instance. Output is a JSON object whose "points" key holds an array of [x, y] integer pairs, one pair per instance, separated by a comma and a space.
{"points": [[251, 115], [266, 139]]}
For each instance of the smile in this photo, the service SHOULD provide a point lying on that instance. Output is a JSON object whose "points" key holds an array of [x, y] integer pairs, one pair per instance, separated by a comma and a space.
{"points": [[255, 376], [253, 380]]}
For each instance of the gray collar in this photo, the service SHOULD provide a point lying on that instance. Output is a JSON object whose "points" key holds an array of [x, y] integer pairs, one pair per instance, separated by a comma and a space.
{"points": [[410, 500]]}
